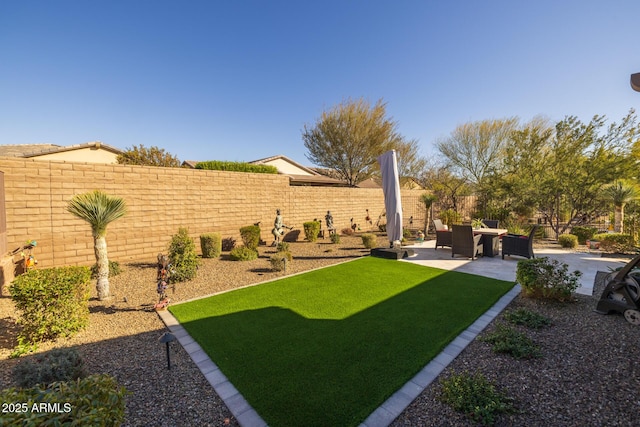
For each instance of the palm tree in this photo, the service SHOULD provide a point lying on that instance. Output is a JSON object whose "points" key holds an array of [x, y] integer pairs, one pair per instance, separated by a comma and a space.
{"points": [[620, 193], [99, 209], [428, 200]]}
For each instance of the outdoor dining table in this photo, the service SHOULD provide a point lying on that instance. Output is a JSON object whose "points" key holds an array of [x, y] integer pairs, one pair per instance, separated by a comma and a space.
{"points": [[490, 240]]}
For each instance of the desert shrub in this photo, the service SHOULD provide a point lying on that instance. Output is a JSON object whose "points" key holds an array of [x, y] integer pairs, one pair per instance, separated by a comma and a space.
{"points": [[583, 233], [347, 231], [218, 165], [369, 240], [528, 318], [406, 233], [311, 230], [243, 253], [335, 238], [548, 279], [615, 242], [62, 364], [509, 341], [277, 260], [97, 400], [114, 269], [53, 302], [474, 396], [250, 236], [211, 245], [282, 247], [183, 256], [568, 240], [228, 243]]}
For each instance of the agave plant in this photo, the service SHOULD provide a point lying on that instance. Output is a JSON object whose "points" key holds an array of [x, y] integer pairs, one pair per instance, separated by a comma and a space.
{"points": [[99, 210]]}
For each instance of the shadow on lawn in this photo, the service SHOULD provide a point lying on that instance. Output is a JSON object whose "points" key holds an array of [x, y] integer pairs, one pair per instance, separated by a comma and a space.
{"points": [[312, 371]]}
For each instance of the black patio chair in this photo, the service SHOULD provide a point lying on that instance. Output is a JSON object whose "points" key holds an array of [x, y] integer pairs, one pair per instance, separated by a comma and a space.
{"points": [[464, 242], [514, 244], [443, 235], [491, 223]]}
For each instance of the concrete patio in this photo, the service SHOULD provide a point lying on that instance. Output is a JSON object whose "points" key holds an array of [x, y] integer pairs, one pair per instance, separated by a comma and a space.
{"points": [[586, 262]]}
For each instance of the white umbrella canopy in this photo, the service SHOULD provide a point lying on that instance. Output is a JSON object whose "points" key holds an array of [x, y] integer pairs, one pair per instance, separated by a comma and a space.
{"points": [[392, 199]]}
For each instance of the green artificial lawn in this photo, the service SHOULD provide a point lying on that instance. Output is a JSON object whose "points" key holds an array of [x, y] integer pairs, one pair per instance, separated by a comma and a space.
{"points": [[329, 346]]}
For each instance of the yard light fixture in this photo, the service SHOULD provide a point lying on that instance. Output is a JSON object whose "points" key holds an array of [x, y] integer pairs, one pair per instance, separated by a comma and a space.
{"points": [[167, 338], [635, 82]]}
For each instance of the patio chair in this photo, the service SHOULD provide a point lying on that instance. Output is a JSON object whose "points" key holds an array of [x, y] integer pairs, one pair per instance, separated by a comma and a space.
{"points": [[514, 244], [464, 242], [443, 234], [491, 223]]}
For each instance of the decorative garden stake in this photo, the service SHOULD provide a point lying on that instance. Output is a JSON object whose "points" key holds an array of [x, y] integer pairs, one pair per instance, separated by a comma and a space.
{"points": [[167, 338]]}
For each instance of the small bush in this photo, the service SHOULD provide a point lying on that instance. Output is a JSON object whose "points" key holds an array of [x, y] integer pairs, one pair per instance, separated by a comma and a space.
{"points": [[228, 243], [511, 342], [62, 364], [615, 242], [406, 233], [243, 253], [450, 217], [217, 165], [311, 230], [545, 278], [97, 400], [335, 238], [211, 245], [583, 233], [53, 302], [250, 236], [527, 318], [277, 260], [114, 269], [475, 396], [183, 256], [568, 240], [369, 240], [283, 247], [347, 231]]}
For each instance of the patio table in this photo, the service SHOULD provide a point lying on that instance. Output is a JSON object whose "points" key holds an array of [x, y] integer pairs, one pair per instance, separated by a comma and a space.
{"points": [[490, 240]]}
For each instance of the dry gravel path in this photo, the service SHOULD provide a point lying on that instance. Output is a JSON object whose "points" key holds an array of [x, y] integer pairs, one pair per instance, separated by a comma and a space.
{"points": [[587, 376]]}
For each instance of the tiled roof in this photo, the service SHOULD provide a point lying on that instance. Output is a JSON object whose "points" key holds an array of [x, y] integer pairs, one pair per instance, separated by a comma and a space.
{"points": [[20, 150]]}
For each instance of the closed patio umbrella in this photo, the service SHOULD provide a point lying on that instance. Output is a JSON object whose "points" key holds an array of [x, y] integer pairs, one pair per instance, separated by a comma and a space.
{"points": [[392, 200]]}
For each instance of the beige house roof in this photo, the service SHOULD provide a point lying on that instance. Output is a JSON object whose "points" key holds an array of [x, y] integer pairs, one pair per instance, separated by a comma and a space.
{"points": [[91, 152], [298, 174]]}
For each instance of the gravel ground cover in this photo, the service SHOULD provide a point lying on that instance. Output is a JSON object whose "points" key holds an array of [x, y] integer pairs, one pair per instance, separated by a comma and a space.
{"points": [[588, 374]]}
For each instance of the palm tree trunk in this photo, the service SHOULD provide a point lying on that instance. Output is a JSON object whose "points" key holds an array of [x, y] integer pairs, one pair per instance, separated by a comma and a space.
{"points": [[102, 261], [619, 219]]}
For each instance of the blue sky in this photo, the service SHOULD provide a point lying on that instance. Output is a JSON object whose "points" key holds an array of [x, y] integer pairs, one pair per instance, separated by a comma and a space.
{"points": [[238, 80]]}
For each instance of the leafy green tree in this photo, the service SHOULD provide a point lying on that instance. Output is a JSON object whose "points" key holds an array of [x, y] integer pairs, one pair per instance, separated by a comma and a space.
{"points": [[410, 163], [349, 137], [99, 210], [143, 156]]}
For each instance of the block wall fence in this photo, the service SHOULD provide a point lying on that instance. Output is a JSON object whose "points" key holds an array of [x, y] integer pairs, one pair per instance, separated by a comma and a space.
{"points": [[161, 200]]}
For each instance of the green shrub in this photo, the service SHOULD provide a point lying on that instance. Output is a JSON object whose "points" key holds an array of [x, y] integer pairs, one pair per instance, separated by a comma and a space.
{"points": [[511, 342], [369, 240], [568, 240], [114, 269], [615, 242], [62, 364], [450, 217], [311, 230], [282, 247], [211, 245], [474, 396], [243, 253], [277, 260], [583, 233], [545, 278], [335, 238], [217, 165], [97, 400], [250, 236], [528, 318], [183, 256], [53, 302]]}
